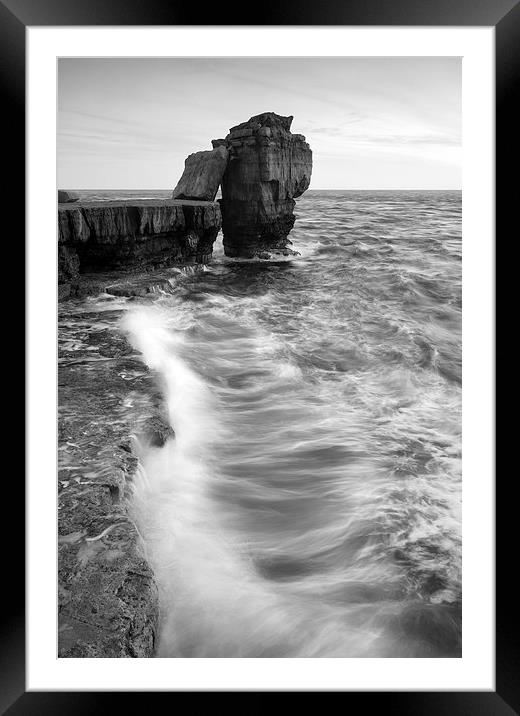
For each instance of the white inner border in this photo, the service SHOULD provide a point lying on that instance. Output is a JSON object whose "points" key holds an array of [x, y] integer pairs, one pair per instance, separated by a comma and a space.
{"points": [[475, 670]]}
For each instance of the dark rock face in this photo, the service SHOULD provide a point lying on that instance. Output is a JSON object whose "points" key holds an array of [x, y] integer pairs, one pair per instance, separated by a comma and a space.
{"points": [[115, 236], [68, 264], [156, 431], [66, 197], [202, 175], [268, 167]]}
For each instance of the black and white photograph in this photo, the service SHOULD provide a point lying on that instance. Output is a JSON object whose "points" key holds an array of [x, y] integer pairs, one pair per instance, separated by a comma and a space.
{"points": [[259, 357]]}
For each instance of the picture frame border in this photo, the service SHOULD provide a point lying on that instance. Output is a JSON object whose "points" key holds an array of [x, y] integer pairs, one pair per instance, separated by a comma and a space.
{"points": [[504, 16]]}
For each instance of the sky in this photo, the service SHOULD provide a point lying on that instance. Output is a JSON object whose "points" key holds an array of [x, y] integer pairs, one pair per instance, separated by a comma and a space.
{"points": [[372, 123]]}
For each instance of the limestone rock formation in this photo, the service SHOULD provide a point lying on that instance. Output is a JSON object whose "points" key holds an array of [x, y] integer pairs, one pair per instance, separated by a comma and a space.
{"points": [[66, 197], [202, 175], [268, 167], [111, 236]]}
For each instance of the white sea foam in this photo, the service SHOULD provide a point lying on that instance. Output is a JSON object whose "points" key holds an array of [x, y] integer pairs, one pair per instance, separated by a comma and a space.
{"points": [[213, 601]]}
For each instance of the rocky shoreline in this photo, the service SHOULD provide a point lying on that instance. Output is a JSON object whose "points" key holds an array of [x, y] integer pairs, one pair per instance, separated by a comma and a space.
{"points": [[108, 399], [107, 596]]}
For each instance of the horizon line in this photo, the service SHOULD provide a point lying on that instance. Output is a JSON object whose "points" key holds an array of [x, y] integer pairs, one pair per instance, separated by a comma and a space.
{"points": [[310, 189]]}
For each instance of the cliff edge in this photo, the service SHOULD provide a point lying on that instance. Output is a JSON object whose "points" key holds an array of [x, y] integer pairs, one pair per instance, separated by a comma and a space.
{"points": [[124, 235]]}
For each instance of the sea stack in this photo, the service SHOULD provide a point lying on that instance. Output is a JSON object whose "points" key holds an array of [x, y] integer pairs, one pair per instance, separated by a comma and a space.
{"points": [[268, 168]]}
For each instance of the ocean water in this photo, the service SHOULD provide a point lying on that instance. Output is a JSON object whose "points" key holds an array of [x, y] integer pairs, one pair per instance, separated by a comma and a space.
{"points": [[310, 504]]}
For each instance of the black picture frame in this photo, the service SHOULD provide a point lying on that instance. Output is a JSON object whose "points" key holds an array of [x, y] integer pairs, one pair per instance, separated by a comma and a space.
{"points": [[504, 15]]}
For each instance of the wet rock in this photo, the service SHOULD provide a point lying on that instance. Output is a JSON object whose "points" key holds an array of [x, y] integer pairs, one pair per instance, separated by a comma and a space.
{"points": [[157, 431], [268, 168], [66, 197], [64, 291], [68, 264], [108, 604], [139, 287], [108, 599], [202, 174], [110, 344]]}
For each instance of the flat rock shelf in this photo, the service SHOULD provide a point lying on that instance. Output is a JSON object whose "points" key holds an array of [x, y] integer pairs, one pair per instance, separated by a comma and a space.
{"points": [[107, 595], [131, 236]]}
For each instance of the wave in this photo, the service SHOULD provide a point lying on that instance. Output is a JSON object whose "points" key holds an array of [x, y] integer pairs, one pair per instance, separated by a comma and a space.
{"points": [[254, 553], [213, 600]]}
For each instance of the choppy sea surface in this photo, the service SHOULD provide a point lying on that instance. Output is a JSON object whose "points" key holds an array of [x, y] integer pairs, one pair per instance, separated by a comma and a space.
{"points": [[310, 504]]}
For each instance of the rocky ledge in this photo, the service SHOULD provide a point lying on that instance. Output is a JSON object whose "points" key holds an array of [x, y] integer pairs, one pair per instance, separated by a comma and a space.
{"points": [[125, 235], [108, 603], [107, 595]]}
